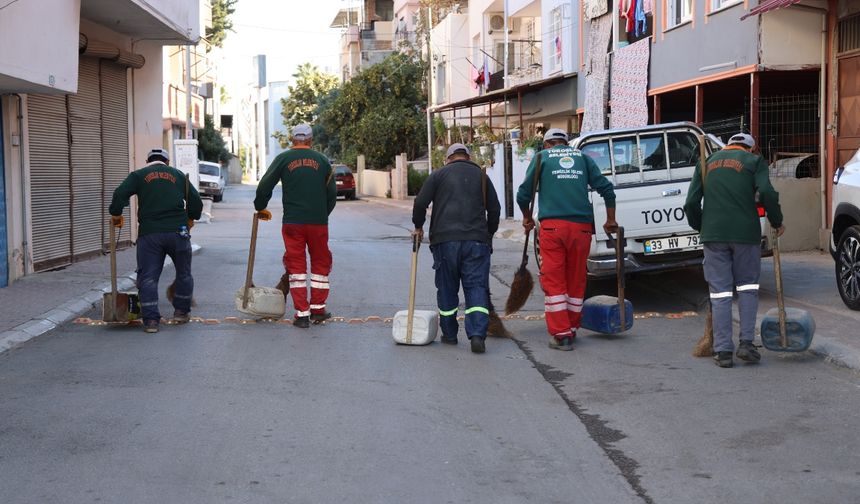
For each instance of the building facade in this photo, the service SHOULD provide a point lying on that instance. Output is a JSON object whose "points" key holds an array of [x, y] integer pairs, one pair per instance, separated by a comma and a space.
{"points": [[79, 110]]}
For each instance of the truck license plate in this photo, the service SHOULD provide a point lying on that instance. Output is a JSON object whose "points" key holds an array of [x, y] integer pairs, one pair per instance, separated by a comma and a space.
{"points": [[673, 244]]}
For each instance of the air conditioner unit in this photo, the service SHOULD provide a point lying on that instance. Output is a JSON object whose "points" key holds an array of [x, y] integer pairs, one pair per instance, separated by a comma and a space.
{"points": [[497, 23]]}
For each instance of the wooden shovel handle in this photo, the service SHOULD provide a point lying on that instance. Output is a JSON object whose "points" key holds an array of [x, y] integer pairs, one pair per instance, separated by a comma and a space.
{"points": [[412, 281], [780, 302], [619, 273], [252, 250], [113, 288]]}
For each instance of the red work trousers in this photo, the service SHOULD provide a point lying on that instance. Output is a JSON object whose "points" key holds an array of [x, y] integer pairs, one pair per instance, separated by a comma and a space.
{"points": [[564, 248], [314, 239]]}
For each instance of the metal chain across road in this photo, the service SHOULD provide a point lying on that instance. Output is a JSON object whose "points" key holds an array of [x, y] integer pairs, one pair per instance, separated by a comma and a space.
{"points": [[355, 320]]}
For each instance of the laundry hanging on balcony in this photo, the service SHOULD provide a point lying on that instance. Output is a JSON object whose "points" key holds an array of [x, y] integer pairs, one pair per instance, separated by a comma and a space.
{"points": [[629, 85]]}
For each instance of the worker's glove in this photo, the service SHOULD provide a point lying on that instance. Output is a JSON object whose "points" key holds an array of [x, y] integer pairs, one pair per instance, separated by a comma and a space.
{"points": [[117, 220], [264, 215]]}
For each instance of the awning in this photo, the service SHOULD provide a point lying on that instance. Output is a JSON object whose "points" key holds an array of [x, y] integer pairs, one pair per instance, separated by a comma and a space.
{"points": [[345, 17], [768, 5], [500, 95]]}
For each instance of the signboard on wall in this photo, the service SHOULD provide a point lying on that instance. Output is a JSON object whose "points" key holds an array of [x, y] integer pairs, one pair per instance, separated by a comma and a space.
{"points": [[185, 160]]}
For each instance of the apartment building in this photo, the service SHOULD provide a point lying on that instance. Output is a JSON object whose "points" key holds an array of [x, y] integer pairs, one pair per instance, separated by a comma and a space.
{"points": [[78, 111], [780, 69], [372, 30]]}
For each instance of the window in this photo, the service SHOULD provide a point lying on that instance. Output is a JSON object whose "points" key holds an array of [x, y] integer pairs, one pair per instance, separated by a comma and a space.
{"points": [[678, 12], [719, 4], [599, 153], [683, 154], [628, 27], [440, 83], [210, 169], [554, 37], [653, 156]]}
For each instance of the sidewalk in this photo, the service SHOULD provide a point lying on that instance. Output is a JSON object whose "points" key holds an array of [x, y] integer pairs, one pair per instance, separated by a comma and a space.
{"points": [[40, 302]]}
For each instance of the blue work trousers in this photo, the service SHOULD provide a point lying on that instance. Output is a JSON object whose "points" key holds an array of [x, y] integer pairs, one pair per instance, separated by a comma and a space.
{"points": [[151, 251], [466, 262]]}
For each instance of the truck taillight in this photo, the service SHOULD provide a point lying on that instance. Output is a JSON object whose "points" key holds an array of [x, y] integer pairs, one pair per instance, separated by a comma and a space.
{"points": [[760, 209]]}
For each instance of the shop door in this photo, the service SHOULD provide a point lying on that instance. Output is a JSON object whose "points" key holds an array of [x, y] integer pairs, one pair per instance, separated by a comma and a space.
{"points": [[848, 139], [50, 181]]}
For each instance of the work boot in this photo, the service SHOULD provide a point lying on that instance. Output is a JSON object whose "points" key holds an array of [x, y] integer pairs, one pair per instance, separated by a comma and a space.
{"points": [[150, 326], [180, 317], [447, 340], [723, 359], [302, 322], [477, 344], [565, 344], [747, 352], [319, 318]]}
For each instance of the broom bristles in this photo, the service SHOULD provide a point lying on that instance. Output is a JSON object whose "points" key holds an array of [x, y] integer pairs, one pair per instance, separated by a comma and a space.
{"points": [[705, 346], [171, 290], [521, 288]]}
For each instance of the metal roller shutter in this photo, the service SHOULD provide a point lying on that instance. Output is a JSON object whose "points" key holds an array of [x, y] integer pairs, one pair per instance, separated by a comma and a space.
{"points": [[114, 132], [86, 155], [49, 181]]}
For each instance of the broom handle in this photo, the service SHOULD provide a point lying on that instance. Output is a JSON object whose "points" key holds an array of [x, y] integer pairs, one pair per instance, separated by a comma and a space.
{"points": [[113, 260], [619, 272], [412, 280], [535, 179], [252, 250], [780, 302]]}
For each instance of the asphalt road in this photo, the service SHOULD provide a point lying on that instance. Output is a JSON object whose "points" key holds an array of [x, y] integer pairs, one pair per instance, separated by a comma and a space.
{"points": [[266, 412]]}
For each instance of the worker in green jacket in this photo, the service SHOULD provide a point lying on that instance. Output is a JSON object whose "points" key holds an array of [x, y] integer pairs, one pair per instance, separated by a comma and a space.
{"points": [[309, 195], [566, 228], [167, 207], [731, 233]]}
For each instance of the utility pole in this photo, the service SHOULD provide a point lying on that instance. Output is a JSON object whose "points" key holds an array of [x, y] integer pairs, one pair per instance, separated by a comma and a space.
{"points": [[189, 132], [429, 91], [505, 74]]}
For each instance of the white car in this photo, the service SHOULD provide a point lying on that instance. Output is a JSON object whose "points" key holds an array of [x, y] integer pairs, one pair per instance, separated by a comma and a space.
{"points": [[212, 180], [845, 245]]}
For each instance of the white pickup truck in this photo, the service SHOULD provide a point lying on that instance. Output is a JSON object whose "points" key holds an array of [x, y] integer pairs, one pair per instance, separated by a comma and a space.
{"points": [[651, 168]]}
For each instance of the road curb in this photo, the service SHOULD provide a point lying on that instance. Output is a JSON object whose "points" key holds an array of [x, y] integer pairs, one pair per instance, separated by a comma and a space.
{"points": [[68, 311]]}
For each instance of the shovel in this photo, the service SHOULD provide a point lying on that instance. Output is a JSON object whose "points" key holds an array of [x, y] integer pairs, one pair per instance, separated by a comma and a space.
{"points": [[411, 326], [259, 301], [785, 329], [608, 314], [118, 306]]}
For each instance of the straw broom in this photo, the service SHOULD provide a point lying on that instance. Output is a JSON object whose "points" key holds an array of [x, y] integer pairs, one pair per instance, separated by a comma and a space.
{"points": [[523, 282], [705, 346], [496, 327]]}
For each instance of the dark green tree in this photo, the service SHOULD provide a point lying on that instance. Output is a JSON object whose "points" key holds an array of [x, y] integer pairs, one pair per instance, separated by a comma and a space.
{"points": [[210, 144], [222, 10], [304, 97], [378, 113]]}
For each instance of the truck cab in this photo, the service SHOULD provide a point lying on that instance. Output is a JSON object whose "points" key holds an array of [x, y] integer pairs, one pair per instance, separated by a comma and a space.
{"points": [[650, 168]]}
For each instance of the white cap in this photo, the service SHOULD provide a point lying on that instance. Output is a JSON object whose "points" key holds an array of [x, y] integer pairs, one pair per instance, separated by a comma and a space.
{"points": [[743, 139], [157, 154], [302, 131], [555, 134]]}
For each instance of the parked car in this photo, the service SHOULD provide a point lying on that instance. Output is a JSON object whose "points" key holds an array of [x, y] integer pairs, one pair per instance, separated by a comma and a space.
{"points": [[651, 168], [345, 181], [212, 180], [845, 239]]}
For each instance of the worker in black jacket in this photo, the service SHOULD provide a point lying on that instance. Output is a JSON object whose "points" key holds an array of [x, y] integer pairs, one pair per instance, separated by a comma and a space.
{"points": [[464, 219]]}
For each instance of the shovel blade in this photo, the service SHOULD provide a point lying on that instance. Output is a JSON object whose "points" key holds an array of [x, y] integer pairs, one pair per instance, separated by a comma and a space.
{"points": [[115, 307]]}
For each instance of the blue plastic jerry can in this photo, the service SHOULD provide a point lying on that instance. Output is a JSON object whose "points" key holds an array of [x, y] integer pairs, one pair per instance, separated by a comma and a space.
{"points": [[603, 314], [799, 330]]}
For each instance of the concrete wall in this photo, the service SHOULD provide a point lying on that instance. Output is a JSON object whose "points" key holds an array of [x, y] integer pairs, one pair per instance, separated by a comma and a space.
{"points": [[800, 200], [450, 43], [791, 38], [375, 183], [684, 52], [181, 15], [277, 90], [234, 170], [39, 41], [147, 107]]}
